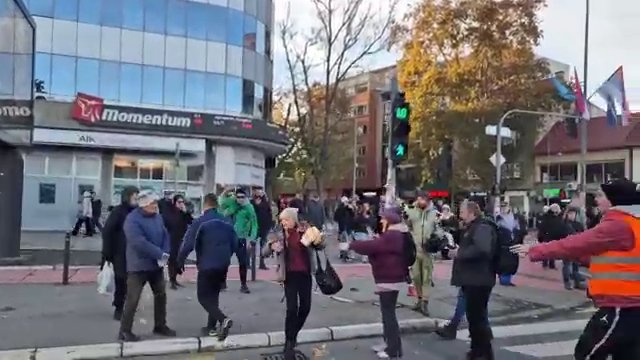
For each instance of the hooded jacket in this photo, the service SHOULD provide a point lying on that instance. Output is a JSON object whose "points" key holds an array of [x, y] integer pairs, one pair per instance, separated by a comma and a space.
{"points": [[87, 206], [422, 223], [245, 221], [114, 242]]}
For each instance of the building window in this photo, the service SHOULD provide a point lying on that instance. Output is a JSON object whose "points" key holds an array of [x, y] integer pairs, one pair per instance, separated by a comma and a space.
{"points": [[559, 172], [151, 170], [87, 167], [125, 169], [361, 88], [614, 170], [59, 165], [248, 96], [568, 172], [195, 173], [594, 174], [133, 17], [362, 150], [362, 129], [83, 188], [235, 27], [47, 193], [512, 171], [360, 110], [361, 173]]}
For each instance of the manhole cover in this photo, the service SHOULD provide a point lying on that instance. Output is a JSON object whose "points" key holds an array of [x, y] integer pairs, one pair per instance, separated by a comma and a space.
{"points": [[280, 356]]}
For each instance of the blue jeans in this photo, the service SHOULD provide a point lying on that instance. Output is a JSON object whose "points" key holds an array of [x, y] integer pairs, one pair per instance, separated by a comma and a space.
{"points": [[460, 310], [505, 279]]}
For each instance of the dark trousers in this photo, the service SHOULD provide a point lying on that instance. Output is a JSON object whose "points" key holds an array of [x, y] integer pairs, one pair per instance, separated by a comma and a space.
{"points": [[97, 224], [551, 264], [297, 291], [135, 283], [460, 310], [390, 327], [610, 332], [263, 243], [571, 273], [209, 286], [477, 301], [120, 292], [88, 226], [243, 260], [172, 268]]}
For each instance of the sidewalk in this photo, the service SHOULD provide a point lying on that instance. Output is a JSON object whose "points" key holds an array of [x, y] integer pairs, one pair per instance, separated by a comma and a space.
{"points": [[36, 316]]}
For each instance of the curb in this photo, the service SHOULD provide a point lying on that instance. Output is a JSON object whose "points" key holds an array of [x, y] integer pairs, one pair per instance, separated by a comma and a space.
{"points": [[210, 344]]}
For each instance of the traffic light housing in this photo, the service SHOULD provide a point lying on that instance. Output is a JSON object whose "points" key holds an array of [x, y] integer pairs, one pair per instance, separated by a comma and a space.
{"points": [[400, 114]]}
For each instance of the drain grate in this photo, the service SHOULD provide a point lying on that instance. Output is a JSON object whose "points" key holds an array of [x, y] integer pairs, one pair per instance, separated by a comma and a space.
{"points": [[280, 356]]}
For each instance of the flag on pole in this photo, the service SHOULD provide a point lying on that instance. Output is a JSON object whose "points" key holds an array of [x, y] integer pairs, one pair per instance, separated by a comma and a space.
{"points": [[613, 92], [581, 103]]}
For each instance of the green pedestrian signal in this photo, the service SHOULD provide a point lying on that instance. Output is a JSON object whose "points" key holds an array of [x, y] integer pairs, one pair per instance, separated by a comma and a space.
{"points": [[400, 150], [402, 113]]}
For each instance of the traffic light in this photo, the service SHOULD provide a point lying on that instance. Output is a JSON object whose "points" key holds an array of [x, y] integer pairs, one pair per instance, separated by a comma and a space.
{"points": [[400, 113]]}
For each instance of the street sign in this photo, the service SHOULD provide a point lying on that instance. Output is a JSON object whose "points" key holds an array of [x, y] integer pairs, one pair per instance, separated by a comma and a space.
{"points": [[493, 160], [492, 130]]}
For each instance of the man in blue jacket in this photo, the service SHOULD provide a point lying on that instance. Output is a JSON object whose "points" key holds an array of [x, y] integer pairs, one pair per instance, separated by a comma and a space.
{"points": [[214, 239], [148, 247]]}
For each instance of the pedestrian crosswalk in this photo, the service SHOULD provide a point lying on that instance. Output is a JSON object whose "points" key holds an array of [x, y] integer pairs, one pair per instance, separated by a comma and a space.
{"points": [[541, 340]]}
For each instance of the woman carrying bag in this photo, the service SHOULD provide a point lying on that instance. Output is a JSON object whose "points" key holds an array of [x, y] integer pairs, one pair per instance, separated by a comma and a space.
{"points": [[387, 257], [296, 262]]}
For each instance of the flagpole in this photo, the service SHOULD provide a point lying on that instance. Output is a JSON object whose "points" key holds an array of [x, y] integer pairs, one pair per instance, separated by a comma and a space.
{"points": [[583, 122]]}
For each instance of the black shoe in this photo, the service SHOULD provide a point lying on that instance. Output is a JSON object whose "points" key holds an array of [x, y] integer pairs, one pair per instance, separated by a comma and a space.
{"points": [[164, 331], [117, 315], [128, 336], [245, 289], [224, 329], [207, 331], [174, 286], [263, 266], [447, 332], [289, 350], [223, 287]]}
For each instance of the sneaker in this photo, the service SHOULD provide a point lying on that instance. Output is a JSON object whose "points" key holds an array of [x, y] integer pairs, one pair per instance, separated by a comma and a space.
{"points": [[447, 332], [224, 329], [417, 306], [383, 355], [164, 331], [424, 309], [128, 336], [379, 347], [245, 289], [207, 331]]}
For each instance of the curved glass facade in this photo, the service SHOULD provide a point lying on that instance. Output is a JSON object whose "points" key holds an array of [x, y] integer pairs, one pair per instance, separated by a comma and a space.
{"points": [[16, 52], [206, 55]]}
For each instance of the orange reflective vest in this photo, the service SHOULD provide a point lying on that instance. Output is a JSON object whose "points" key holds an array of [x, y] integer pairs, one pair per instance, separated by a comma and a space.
{"points": [[617, 273]]}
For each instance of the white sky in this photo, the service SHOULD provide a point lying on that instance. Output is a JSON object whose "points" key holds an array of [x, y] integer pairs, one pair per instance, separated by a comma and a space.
{"points": [[613, 38]]}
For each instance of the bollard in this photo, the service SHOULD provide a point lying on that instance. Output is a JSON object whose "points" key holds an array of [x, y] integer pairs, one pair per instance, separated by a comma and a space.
{"points": [[253, 261], [66, 259]]}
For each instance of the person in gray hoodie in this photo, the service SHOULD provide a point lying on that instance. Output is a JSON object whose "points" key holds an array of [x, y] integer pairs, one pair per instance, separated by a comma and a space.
{"points": [[148, 247]]}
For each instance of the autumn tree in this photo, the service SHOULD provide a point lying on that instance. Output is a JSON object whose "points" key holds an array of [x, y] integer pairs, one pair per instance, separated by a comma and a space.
{"points": [[320, 55], [464, 64]]}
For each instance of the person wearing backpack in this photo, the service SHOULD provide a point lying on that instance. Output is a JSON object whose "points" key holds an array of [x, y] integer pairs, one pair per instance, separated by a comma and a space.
{"points": [[389, 255]]}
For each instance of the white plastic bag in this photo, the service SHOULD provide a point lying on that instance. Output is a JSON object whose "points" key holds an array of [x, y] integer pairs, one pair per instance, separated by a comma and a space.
{"points": [[106, 282]]}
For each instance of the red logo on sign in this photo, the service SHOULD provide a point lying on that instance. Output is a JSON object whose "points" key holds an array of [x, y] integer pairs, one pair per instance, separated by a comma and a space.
{"points": [[197, 119], [87, 108]]}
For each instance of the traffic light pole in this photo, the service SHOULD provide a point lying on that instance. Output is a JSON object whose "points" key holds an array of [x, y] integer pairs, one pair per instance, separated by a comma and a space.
{"points": [[390, 195], [499, 164]]}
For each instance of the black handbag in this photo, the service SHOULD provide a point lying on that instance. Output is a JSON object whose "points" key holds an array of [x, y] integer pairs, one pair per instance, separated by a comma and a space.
{"points": [[327, 279]]}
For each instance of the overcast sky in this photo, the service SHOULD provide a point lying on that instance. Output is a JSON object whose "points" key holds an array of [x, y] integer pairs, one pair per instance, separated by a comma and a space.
{"points": [[613, 34]]}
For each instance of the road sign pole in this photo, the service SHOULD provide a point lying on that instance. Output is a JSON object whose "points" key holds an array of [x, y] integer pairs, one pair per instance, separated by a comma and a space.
{"points": [[390, 195]]}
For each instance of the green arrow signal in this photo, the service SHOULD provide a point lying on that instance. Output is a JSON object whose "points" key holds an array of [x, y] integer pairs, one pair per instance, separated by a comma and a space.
{"points": [[402, 113], [400, 150]]}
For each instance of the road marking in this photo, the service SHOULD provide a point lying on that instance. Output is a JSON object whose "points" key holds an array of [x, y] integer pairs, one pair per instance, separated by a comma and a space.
{"points": [[538, 328], [587, 310], [544, 350]]}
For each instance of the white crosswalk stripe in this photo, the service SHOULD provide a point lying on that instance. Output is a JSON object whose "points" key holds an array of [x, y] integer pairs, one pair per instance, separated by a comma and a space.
{"points": [[537, 333]]}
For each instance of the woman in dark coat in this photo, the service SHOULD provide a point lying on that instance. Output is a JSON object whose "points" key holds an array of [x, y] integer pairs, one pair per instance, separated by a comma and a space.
{"points": [[114, 245], [177, 221]]}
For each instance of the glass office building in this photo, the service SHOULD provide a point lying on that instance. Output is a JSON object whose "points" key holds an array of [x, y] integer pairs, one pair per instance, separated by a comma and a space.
{"points": [[168, 95]]}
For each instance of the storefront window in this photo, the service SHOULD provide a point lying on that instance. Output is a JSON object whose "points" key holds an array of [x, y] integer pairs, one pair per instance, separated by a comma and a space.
{"points": [[125, 168], [151, 170], [60, 165], [87, 167], [47, 193], [614, 170], [594, 174], [195, 173]]}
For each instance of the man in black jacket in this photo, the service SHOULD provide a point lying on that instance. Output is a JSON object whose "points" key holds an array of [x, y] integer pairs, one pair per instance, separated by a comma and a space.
{"points": [[114, 245], [552, 228], [177, 221], [474, 271], [265, 221]]}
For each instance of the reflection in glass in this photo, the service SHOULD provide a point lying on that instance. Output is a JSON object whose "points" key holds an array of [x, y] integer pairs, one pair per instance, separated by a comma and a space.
{"points": [[155, 13], [152, 84], [63, 75], [133, 16], [197, 20], [250, 29], [60, 165], [217, 21], [266, 101], [130, 83], [267, 43], [234, 94], [110, 80], [66, 10], [177, 17], [87, 167], [88, 76], [112, 13], [6, 77], [235, 27], [259, 106], [47, 193], [124, 168], [41, 7], [195, 173], [248, 96], [194, 92], [214, 94], [89, 11], [260, 38], [174, 87]]}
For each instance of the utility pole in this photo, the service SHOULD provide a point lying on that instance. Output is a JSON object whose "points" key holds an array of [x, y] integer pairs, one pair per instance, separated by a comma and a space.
{"points": [[355, 157], [390, 196], [583, 122]]}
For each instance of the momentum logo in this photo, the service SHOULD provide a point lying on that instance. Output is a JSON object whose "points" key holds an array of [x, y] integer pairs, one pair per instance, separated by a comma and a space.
{"points": [[15, 111]]}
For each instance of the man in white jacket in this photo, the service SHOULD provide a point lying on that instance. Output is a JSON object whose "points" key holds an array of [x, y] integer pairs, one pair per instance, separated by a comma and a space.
{"points": [[86, 216]]}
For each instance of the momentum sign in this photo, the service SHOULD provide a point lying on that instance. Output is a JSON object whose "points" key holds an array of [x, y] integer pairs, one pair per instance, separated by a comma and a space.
{"points": [[93, 111], [16, 113]]}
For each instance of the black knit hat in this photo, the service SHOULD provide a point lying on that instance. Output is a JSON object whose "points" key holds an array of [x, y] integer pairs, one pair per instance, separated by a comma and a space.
{"points": [[622, 192]]}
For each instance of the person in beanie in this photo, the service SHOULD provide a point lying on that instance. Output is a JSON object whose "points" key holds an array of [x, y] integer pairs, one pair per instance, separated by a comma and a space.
{"points": [[295, 263], [114, 245], [148, 248], [612, 249], [386, 255]]}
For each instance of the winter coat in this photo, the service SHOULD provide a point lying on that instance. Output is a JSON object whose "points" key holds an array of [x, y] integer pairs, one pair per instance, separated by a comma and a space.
{"points": [[87, 207], [386, 255], [96, 208], [282, 257], [344, 217], [315, 214], [264, 215], [507, 237], [114, 241], [422, 223], [177, 223], [552, 228], [147, 240], [298, 204], [214, 240], [474, 261], [245, 221], [360, 224]]}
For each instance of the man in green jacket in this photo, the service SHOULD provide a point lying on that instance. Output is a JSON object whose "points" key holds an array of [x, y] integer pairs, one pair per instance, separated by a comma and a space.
{"points": [[238, 208], [421, 220]]}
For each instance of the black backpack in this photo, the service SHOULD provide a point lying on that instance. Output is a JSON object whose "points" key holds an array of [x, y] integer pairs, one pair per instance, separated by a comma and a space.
{"points": [[409, 249]]}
